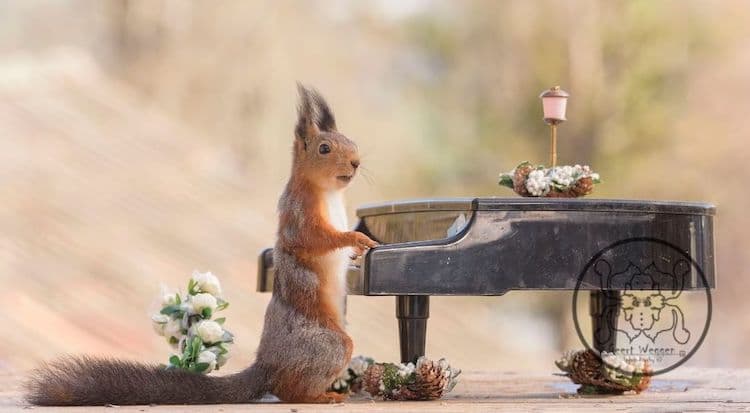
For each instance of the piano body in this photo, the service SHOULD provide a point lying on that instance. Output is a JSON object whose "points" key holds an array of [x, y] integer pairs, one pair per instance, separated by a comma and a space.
{"points": [[489, 246]]}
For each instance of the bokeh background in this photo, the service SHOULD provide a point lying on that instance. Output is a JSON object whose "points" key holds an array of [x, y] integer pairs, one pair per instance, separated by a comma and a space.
{"points": [[140, 140]]}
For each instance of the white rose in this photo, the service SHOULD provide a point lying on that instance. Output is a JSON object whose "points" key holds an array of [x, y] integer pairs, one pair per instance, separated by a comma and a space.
{"points": [[159, 322], [405, 369], [610, 360], [537, 183], [209, 357], [562, 175], [187, 306], [168, 299], [173, 328], [209, 331], [639, 365], [203, 300], [207, 282], [358, 365]]}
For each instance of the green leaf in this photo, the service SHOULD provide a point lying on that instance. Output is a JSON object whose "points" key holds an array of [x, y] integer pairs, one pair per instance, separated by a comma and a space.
{"points": [[206, 312], [191, 287], [175, 361], [177, 298], [221, 320], [219, 349], [170, 309], [524, 163], [223, 305], [196, 347], [201, 367], [506, 180]]}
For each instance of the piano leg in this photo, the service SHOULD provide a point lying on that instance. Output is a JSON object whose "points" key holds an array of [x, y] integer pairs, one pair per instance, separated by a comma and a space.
{"points": [[412, 312], [604, 308]]}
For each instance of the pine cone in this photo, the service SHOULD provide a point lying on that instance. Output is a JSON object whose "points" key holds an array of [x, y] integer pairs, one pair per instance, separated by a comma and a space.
{"points": [[404, 393], [519, 179], [587, 370], [372, 378], [431, 380], [583, 186]]}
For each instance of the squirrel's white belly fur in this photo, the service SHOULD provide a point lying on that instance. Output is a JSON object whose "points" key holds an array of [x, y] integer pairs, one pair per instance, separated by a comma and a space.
{"points": [[338, 261]]}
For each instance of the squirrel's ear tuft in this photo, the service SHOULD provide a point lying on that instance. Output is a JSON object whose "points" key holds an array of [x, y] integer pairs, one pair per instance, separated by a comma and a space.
{"points": [[306, 125], [324, 120]]}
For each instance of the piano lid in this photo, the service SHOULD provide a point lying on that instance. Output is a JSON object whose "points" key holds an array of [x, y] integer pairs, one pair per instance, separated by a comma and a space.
{"points": [[536, 204]]}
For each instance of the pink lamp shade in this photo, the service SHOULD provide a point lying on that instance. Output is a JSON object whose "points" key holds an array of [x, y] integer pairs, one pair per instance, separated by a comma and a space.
{"points": [[554, 102]]}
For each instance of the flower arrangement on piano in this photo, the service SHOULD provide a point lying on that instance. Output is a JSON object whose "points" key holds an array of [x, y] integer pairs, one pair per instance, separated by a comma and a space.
{"points": [[425, 380], [557, 182], [608, 374], [185, 321]]}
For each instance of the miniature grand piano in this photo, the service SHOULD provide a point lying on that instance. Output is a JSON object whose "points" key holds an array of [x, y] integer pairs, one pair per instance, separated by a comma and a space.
{"points": [[489, 246]]}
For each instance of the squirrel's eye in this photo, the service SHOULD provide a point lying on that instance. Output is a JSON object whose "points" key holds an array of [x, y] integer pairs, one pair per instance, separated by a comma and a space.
{"points": [[324, 148]]}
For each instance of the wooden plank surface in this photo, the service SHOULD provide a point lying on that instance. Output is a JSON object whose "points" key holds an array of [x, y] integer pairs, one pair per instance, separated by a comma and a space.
{"points": [[686, 389]]}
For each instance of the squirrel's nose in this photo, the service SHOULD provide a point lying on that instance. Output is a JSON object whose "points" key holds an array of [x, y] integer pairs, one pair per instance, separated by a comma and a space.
{"points": [[355, 163]]}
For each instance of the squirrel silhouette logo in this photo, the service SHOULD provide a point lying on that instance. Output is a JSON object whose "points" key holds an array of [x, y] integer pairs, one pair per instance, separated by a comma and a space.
{"points": [[645, 306]]}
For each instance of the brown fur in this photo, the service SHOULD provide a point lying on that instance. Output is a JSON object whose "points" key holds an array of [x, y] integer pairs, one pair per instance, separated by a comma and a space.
{"points": [[303, 346]]}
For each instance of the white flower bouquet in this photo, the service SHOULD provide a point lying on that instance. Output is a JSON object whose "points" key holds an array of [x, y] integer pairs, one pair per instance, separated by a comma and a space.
{"points": [[185, 321], [557, 182]]}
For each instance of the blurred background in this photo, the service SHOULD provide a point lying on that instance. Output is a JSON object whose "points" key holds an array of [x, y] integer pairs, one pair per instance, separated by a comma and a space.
{"points": [[140, 140]]}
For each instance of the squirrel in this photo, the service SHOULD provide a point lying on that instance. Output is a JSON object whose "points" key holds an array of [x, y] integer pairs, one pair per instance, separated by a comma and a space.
{"points": [[303, 346]]}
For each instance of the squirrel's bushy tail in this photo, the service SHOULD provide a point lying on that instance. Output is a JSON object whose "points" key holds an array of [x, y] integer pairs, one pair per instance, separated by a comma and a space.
{"points": [[89, 381]]}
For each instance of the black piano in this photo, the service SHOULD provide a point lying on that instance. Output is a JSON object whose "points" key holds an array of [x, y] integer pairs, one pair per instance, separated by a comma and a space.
{"points": [[489, 246]]}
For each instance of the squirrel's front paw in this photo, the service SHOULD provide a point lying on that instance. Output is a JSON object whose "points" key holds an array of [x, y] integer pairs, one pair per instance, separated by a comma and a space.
{"points": [[362, 243]]}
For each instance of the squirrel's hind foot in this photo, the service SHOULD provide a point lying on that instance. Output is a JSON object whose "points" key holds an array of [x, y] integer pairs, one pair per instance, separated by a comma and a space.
{"points": [[327, 397], [330, 397]]}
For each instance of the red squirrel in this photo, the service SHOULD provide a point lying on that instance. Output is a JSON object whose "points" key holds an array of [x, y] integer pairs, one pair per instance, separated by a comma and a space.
{"points": [[303, 346]]}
